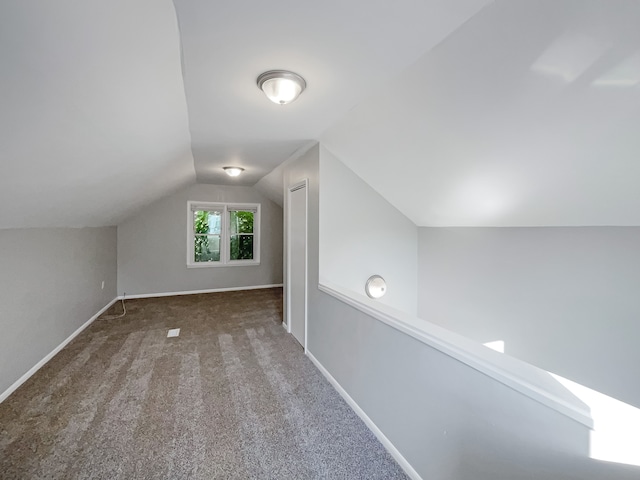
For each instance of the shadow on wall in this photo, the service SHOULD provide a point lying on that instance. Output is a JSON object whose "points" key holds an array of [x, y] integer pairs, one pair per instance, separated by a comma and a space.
{"points": [[615, 436]]}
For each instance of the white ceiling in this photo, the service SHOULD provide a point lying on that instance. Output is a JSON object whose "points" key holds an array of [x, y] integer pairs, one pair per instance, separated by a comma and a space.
{"points": [[528, 115], [459, 112], [344, 49], [93, 121]]}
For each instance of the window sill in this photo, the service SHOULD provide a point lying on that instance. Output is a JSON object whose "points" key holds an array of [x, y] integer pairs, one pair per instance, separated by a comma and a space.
{"points": [[220, 264]]}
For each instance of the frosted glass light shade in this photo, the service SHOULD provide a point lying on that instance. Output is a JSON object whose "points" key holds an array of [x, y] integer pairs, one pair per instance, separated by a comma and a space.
{"points": [[281, 86], [233, 171], [375, 287]]}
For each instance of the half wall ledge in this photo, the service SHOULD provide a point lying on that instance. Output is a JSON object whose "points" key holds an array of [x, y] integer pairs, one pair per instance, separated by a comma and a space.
{"points": [[518, 375]]}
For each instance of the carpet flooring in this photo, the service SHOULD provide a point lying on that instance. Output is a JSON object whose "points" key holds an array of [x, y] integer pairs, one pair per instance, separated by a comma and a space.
{"points": [[233, 397]]}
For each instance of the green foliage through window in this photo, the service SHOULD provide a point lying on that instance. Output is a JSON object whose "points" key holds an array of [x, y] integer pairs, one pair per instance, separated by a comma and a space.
{"points": [[207, 245], [208, 232], [241, 222]]}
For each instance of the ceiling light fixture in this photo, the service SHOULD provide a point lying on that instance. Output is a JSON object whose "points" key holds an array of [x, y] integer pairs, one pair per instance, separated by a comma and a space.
{"points": [[233, 171], [281, 86]]}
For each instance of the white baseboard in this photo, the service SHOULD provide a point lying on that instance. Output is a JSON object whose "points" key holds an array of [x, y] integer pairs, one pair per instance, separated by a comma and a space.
{"points": [[41, 363], [404, 464], [193, 292]]}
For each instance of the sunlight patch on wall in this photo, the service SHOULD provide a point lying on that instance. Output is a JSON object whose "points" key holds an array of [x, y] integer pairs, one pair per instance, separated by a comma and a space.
{"points": [[625, 74], [569, 56], [498, 345], [616, 425]]}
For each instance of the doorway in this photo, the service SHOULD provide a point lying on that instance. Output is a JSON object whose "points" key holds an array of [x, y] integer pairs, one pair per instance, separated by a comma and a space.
{"points": [[297, 261]]}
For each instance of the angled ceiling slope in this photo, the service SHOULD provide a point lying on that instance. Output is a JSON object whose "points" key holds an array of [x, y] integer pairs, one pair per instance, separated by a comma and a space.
{"points": [[344, 49], [93, 121], [528, 115]]}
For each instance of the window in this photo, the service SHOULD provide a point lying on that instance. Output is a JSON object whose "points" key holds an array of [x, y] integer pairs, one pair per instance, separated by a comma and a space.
{"points": [[221, 234]]}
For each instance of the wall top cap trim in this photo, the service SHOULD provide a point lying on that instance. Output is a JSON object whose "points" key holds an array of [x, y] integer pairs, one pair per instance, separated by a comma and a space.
{"points": [[527, 379]]}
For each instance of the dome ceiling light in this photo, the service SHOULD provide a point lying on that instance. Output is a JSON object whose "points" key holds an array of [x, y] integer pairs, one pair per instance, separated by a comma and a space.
{"points": [[281, 86], [233, 171]]}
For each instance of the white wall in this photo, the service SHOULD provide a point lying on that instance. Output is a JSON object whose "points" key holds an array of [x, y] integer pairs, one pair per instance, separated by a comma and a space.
{"points": [[272, 184], [361, 234], [50, 285], [303, 165], [448, 420], [564, 299], [152, 245]]}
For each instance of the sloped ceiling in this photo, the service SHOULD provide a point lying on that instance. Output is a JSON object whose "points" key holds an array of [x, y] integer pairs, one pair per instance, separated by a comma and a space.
{"points": [[344, 49], [459, 112], [93, 120], [528, 115]]}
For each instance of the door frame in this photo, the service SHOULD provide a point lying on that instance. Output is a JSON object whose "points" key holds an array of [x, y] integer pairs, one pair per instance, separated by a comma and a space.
{"points": [[290, 189]]}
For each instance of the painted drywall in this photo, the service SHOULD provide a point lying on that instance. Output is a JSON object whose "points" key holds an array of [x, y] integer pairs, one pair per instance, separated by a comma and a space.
{"points": [[50, 285], [563, 299], [449, 421], [94, 120], [152, 245], [361, 234], [272, 185], [305, 167], [517, 118]]}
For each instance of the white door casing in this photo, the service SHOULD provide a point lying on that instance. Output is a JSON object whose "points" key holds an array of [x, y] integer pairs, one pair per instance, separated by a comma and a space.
{"points": [[297, 262]]}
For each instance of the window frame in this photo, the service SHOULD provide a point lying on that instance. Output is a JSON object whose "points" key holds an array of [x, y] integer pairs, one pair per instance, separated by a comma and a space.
{"points": [[225, 233]]}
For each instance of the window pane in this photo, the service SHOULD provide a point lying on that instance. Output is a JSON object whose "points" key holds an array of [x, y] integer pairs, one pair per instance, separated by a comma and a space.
{"points": [[207, 248], [240, 222], [241, 247], [207, 221]]}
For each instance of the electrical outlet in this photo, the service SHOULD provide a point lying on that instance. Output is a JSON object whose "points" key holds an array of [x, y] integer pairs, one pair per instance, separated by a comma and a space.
{"points": [[102, 284]]}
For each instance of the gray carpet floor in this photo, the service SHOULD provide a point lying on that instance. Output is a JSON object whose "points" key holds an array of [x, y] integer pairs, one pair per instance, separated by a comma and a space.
{"points": [[233, 397]]}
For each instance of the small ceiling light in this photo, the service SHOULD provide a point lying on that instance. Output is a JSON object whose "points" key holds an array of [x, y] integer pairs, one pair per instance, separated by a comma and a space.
{"points": [[233, 171], [281, 86], [376, 287]]}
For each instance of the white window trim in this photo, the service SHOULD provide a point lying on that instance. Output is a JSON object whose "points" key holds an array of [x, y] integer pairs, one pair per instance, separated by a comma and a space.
{"points": [[225, 236]]}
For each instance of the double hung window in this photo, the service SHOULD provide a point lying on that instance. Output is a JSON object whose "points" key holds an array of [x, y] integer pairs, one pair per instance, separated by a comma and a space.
{"points": [[222, 234]]}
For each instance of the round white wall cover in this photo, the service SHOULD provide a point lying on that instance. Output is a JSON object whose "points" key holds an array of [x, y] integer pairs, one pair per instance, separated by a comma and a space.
{"points": [[375, 287]]}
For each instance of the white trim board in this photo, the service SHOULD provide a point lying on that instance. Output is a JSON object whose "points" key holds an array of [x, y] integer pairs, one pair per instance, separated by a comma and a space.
{"points": [[304, 183], [194, 292], [4, 395], [515, 374], [393, 451]]}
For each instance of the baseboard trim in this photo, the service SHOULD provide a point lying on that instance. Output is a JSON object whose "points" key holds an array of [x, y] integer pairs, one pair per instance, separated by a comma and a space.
{"points": [[194, 292], [395, 453], [53, 353]]}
